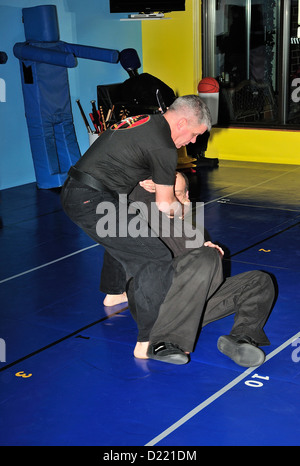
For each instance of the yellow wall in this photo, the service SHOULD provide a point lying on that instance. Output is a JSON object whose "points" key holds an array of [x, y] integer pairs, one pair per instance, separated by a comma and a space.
{"points": [[255, 145], [172, 52], [169, 49]]}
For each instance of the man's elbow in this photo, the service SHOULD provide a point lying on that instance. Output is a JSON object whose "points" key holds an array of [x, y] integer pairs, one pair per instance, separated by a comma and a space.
{"points": [[163, 206], [168, 208]]}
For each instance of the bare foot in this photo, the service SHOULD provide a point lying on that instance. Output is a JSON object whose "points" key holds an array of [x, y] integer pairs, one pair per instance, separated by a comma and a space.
{"points": [[140, 350], [113, 299]]}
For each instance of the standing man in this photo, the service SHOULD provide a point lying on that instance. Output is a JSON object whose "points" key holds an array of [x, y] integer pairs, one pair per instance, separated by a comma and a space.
{"points": [[129, 152]]}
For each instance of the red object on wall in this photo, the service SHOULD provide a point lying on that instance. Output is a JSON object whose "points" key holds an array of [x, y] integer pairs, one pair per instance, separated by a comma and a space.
{"points": [[208, 85]]}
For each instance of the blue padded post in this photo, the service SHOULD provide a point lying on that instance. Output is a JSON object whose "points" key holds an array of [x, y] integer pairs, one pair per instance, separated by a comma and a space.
{"points": [[41, 23], [44, 61], [92, 53], [44, 54]]}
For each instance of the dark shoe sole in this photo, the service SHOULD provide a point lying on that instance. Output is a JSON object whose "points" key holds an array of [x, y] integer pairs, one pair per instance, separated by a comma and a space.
{"points": [[243, 354]]}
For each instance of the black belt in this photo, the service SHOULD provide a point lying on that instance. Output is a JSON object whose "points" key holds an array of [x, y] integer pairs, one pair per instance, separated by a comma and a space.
{"points": [[89, 180]]}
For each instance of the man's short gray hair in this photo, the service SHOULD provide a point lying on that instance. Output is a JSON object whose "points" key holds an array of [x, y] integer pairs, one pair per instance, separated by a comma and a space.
{"points": [[193, 108]]}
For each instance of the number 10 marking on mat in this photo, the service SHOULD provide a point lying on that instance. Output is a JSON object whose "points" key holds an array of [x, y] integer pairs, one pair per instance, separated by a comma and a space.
{"points": [[256, 383]]}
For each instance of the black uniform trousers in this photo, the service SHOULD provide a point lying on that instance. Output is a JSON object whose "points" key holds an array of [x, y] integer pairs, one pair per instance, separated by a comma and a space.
{"points": [[199, 295]]}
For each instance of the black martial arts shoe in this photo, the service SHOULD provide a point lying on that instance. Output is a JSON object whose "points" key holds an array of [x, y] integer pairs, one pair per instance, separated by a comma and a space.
{"points": [[167, 352], [242, 350]]}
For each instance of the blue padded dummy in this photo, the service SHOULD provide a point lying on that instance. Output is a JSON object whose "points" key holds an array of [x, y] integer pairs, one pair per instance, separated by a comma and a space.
{"points": [[44, 60]]}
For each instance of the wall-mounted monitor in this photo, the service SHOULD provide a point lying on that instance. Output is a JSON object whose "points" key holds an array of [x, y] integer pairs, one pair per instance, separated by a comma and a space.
{"points": [[146, 6]]}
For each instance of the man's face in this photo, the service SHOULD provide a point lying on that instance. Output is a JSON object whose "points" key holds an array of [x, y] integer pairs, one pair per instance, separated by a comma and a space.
{"points": [[181, 191], [186, 132]]}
